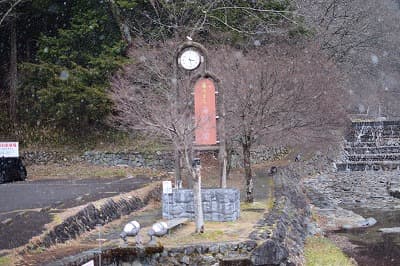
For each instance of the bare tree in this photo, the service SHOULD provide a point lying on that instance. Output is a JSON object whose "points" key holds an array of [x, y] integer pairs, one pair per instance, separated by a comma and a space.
{"points": [[6, 9], [363, 36], [341, 26], [145, 97], [277, 95]]}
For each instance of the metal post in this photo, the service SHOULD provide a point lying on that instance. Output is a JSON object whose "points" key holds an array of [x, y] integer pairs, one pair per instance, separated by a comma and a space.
{"points": [[99, 227]]}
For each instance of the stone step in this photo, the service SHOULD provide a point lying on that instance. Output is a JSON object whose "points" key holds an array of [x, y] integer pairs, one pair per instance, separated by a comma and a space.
{"points": [[374, 157], [383, 143], [375, 123], [367, 166], [372, 138], [372, 150], [392, 230], [391, 131]]}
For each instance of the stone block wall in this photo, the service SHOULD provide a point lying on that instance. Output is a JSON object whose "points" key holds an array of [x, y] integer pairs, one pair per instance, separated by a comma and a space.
{"points": [[224, 254], [157, 160], [259, 155], [219, 204], [161, 160]]}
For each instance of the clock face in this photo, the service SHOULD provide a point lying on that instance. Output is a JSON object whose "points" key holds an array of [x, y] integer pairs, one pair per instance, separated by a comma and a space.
{"points": [[190, 59]]}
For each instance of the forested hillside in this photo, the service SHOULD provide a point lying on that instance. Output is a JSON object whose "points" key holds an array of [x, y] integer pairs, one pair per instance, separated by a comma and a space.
{"points": [[57, 58]]}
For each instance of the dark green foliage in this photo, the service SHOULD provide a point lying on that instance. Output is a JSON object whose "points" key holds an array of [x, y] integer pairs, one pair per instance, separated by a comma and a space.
{"points": [[67, 86]]}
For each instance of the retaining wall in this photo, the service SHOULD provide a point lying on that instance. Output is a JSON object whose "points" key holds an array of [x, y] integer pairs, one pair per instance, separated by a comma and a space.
{"points": [[100, 213], [282, 232], [229, 253], [162, 160]]}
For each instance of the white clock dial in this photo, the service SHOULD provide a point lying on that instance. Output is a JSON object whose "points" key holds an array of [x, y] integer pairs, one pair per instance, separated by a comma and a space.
{"points": [[190, 59]]}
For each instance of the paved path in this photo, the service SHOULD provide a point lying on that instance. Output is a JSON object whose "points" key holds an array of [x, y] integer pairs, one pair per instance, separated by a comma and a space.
{"points": [[26, 206], [39, 194]]}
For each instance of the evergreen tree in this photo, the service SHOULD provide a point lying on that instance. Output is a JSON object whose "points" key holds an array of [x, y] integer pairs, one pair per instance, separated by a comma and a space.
{"points": [[67, 86]]}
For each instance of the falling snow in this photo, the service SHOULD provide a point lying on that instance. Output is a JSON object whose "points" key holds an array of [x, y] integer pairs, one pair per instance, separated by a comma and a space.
{"points": [[64, 75]]}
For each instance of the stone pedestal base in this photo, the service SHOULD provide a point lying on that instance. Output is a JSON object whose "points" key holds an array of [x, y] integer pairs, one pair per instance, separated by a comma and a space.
{"points": [[219, 204]]}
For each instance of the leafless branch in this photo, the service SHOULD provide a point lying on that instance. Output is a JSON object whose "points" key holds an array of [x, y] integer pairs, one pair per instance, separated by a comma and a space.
{"points": [[12, 5]]}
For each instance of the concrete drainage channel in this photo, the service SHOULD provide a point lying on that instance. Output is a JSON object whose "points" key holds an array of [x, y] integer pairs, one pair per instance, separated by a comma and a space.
{"points": [[86, 218], [277, 239]]}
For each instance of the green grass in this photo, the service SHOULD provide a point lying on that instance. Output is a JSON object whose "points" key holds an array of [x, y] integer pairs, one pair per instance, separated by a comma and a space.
{"points": [[5, 261], [254, 205], [212, 235], [320, 251], [105, 139]]}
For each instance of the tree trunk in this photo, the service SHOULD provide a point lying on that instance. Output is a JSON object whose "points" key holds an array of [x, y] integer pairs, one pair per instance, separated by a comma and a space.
{"points": [[198, 207], [123, 26], [13, 73], [178, 176], [247, 172], [223, 171], [195, 176]]}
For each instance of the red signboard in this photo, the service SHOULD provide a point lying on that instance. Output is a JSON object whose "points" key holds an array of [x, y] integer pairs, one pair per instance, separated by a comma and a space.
{"points": [[205, 112]]}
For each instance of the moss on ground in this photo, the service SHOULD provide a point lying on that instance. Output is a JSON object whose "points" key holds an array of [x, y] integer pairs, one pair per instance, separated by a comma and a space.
{"points": [[6, 261], [320, 251], [85, 170]]}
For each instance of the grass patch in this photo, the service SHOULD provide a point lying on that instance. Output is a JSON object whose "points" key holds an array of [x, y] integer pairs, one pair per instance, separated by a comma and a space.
{"points": [[83, 170], [6, 261], [105, 139], [207, 236], [320, 251], [237, 230], [254, 205]]}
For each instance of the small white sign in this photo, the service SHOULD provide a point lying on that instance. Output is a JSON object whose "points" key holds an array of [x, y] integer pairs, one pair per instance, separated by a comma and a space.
{"points": [[90, 263], [9, 149], [167, 187]]}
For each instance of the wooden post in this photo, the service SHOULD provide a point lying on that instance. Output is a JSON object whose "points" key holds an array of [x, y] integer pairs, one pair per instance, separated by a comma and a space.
{"points": [[223, 160]]}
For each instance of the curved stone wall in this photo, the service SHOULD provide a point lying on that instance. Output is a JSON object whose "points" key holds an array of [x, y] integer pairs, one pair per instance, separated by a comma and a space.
{"points": [[284, 229]]}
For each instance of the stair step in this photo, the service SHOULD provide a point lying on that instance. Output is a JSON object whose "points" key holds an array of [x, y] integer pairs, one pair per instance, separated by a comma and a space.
{"points": [[375, 123], [384, 143], [372, 150], [374, 157], [365, 166]]}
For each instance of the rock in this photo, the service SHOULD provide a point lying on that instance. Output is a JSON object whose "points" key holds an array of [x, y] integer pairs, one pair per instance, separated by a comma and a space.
{"points": [[7, 221], [368, 222], [209, 260], [185, 259], [269, 253], [45, 209], [79, 198], [392, 230], [189, 250], [394, 191], [313, 229], [22, 214]]}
